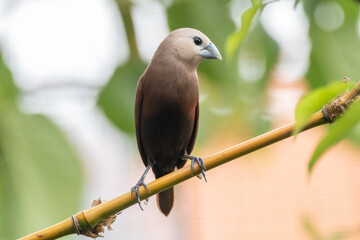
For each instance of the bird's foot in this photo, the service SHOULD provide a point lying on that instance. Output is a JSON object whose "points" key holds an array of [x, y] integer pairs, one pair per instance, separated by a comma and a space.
{"points": [[199, 162], [136, 190]]}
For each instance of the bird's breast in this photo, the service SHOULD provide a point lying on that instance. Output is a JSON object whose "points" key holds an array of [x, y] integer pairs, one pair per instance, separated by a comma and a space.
{"points": [[168, 114]]}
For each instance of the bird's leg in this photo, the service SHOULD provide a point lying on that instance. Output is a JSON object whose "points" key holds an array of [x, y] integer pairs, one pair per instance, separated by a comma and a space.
{"points": [[199, 162], [141, 183]]}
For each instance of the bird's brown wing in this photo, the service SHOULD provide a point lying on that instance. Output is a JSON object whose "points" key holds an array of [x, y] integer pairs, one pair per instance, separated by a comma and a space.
{"points": [[138, 107], [191, 144], [195, 130]]}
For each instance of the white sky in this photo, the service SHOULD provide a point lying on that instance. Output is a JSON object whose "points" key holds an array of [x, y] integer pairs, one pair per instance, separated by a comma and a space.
{"points": [[47, 42]]}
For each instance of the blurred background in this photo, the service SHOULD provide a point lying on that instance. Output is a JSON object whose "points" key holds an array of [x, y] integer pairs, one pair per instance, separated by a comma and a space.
{"points": [[68, 74]]}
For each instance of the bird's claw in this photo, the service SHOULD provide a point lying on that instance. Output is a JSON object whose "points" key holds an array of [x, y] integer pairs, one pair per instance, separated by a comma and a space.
{"points": [[136, 190], [200, 163]]}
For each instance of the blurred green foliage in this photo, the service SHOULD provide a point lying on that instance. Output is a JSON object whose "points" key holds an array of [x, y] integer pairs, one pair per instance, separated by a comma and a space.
{"points": [[337, 132], [313, 232], [335, 54], [8, 90], [118, 96], [40, 175], [235, 39], [335, 41]]}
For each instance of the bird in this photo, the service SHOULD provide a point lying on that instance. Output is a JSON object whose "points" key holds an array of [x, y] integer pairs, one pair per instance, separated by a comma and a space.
{"points": [[167, 108]]}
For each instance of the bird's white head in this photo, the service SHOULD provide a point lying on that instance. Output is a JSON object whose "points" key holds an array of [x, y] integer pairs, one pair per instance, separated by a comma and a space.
{"points": [[189, 46]]}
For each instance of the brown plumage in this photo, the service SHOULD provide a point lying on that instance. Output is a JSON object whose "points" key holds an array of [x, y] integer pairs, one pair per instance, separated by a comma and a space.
{"points": [[167, 106]]}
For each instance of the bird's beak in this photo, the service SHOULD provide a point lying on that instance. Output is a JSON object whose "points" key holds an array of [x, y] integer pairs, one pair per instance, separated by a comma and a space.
{"points": [[210, 52]]}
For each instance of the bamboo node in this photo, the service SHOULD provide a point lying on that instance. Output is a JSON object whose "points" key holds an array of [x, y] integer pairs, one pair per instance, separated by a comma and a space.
{"points": [[336, 108], [77, 225], [333, 110], [100, 227]]}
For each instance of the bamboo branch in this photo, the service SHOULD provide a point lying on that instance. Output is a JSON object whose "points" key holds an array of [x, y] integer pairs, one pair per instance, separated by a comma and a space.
{"points": [[87, 219]]}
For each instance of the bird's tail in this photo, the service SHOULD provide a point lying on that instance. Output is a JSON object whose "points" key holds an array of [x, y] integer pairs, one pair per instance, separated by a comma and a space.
{"points": [[165, 200]]}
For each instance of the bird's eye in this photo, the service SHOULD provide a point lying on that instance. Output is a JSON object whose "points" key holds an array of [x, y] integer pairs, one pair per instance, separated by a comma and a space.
{"points": [[197, 41]]}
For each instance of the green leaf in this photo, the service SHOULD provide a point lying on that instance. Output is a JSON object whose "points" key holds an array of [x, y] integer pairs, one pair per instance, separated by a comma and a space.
{"points": [[355, 134], [235, 40], [311, 229], [8, 90], [40, 175], [315, 100], [313, 232], [117, 99], [340, 235], [341, 129]]}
